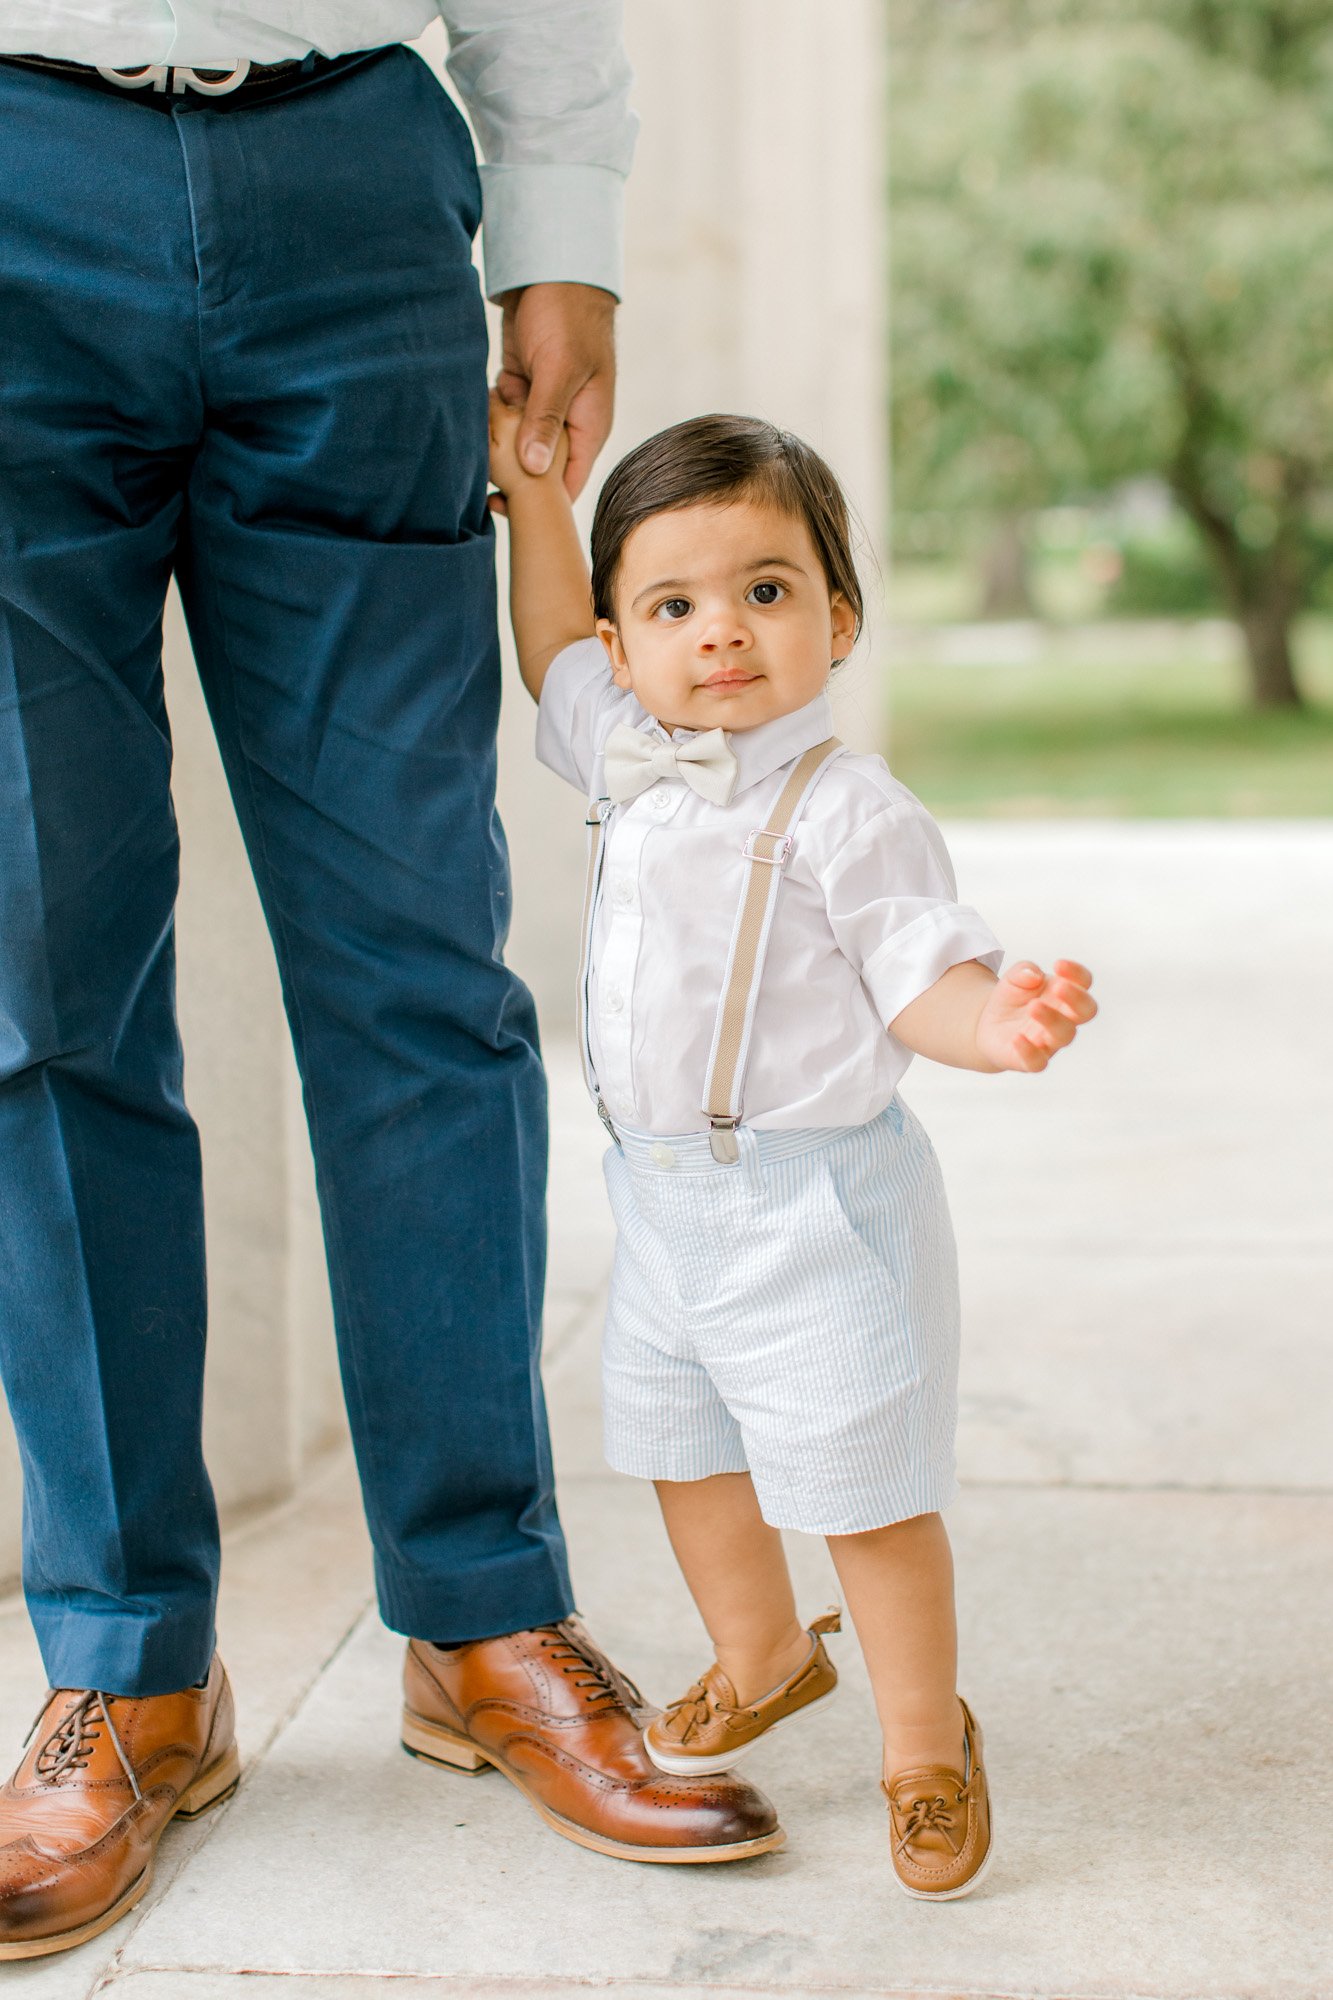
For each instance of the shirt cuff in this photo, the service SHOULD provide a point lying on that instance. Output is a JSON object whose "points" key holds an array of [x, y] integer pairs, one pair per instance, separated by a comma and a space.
{"points": [[552, 225], [913, 959]]}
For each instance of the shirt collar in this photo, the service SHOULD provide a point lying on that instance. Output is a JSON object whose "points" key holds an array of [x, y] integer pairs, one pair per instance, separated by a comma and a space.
{"points": [[761, 751]]}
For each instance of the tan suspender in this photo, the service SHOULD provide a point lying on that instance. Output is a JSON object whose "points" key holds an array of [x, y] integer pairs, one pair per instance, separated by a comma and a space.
{"points": [[768, 850], [599, 811]]}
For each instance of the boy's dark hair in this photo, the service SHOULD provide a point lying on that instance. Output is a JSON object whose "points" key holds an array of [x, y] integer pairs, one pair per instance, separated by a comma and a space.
{"points": [[713, 460]]}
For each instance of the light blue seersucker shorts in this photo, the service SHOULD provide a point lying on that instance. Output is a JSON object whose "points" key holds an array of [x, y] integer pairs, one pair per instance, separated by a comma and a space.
{"points": [[795, 1315]]}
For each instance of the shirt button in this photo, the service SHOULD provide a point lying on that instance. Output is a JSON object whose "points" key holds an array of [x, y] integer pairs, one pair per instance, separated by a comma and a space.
{"points": [[662, 1156], [623, 893], [661, 799], [615, 1002]]}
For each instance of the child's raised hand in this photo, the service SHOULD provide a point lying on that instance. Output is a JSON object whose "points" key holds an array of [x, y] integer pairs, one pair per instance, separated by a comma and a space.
{"points": [[1031, 1015], [506, 470]]}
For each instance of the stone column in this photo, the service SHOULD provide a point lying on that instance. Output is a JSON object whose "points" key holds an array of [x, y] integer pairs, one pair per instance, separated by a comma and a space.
{"points": [[755, 282]]}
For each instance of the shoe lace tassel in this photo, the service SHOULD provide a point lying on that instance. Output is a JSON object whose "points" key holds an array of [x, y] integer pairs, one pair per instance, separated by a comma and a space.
{"points": [[697, 1707], [931, 1815]]}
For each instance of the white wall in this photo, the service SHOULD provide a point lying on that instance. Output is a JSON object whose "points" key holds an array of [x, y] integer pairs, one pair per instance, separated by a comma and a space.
{"points": [[755, 282]]}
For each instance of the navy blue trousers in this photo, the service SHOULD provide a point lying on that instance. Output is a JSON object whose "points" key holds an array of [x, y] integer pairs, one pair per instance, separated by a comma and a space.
{"points": [[245, 344]]}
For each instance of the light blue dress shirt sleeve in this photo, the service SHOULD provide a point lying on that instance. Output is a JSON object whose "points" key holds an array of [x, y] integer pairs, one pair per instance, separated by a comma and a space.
{"points": [[546, 85]]}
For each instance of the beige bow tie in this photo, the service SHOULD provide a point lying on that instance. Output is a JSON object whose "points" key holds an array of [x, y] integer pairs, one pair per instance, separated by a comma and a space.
{"points": [[635, 761]]}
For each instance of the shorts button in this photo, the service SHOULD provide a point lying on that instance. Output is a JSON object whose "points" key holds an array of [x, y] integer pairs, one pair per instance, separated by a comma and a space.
{"points": [[662, 1156]]}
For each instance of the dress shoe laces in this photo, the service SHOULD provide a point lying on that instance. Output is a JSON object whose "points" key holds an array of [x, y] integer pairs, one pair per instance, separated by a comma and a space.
{"points": [[588, 1669], [70, 1744]]}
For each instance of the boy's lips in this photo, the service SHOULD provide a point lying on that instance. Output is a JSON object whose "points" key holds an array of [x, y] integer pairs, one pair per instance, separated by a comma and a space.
{"points": [[729, 677]]}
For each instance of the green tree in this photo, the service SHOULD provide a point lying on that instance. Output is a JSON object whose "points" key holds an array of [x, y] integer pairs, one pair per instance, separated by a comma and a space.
{"points": [[1112, 231]]}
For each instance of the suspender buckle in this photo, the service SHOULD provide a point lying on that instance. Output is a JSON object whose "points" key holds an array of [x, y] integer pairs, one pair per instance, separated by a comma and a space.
{"points": [[722, 1141], [605, 1117], [780, 852]]}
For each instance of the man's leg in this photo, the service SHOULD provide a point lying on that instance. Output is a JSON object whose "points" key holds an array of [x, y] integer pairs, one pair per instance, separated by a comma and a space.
{"points": [[336, 568], [101, 1225]]}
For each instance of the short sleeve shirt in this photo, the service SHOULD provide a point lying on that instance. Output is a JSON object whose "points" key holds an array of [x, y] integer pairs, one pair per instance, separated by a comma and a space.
{"points": [[866, 920]]}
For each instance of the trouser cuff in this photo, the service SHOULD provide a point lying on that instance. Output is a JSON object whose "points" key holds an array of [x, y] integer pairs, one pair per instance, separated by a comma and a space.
{"points": [[124, 1653], [512, 1596]]}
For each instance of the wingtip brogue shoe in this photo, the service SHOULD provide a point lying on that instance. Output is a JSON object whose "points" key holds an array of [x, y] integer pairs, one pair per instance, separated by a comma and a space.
{"points": [[550, 1711], [101, 1777]]}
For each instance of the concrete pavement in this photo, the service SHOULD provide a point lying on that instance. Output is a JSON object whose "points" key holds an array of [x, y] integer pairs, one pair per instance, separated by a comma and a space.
{"points": [[1143, 1544]]}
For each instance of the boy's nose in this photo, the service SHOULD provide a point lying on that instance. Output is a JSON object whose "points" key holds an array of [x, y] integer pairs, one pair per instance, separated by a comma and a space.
{"points": [[724, 635]]}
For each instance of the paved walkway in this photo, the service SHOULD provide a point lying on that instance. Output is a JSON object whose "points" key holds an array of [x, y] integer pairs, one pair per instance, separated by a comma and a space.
{"points": [[1143, 1546]]}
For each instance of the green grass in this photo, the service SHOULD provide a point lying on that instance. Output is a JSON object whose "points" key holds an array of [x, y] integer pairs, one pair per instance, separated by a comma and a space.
{"points": [[1147, 737]]}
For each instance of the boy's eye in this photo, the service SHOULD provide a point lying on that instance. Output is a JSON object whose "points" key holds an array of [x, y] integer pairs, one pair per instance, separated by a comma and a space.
{"points": [[674, 608], [767, 593]]}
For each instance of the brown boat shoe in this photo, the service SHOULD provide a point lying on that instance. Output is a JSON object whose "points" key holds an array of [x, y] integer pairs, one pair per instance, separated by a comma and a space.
{"points": [[941, 1825], [81, 1817], [708, 1730], [548, 1710]]}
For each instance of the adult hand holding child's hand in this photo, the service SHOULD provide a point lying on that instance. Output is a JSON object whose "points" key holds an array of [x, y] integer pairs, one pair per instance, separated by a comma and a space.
{"points": [[548, 577], [507, 468], [558, 369], [1030, 1015]]}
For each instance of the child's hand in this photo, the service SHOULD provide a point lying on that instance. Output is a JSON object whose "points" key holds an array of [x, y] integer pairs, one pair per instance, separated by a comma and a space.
{"points": [[1031, 1014], [550, 600], [507, 472]]}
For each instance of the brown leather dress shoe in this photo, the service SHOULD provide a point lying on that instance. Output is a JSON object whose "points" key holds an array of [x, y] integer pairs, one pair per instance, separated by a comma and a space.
{"points": [[549, 1710], [81, 1817]]}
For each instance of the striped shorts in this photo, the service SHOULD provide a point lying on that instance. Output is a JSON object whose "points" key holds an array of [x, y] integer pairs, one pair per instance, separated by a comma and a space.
{"points": [[794, 1316]]}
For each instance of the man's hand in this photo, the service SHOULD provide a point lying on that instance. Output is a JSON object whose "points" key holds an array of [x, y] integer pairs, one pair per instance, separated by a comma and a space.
{"points": [[559, 362], [1030, 1015], [508, 471]]}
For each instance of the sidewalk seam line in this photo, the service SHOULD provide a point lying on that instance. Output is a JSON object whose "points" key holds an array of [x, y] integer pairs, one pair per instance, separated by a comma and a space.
{"points": [[137, 1917]]}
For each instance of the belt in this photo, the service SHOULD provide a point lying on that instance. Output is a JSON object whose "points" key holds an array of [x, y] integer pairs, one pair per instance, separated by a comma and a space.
{"points": [[161, 83]]}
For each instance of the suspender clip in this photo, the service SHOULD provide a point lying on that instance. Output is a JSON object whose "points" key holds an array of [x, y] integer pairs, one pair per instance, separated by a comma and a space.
{"points": [[777, 857], [722, 1141]]}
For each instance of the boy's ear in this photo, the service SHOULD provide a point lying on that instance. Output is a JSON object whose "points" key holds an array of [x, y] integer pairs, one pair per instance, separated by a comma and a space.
{"points": [[615, 652], [844, 625]]}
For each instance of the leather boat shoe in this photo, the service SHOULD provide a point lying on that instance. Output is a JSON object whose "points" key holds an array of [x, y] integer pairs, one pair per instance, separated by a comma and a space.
{"points": [[708, 1729], [102, 1776], [940, 1824], [550, 1711]]}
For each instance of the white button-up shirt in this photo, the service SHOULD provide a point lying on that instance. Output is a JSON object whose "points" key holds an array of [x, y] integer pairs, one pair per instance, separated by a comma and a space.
{"points": [[545, 82], [866, 919]]}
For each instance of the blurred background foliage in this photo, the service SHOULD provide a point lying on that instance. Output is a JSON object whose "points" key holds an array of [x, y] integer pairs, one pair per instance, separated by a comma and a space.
{"points": [[1112, 402]]}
